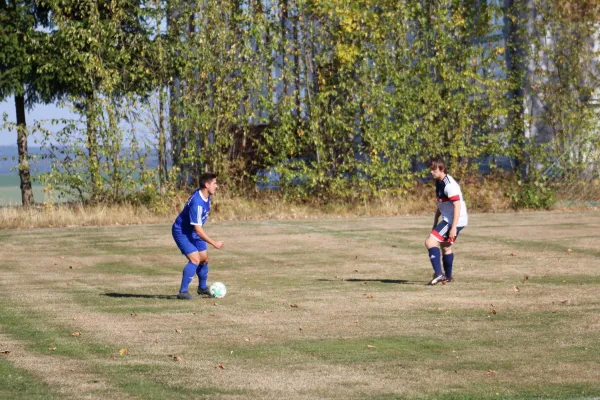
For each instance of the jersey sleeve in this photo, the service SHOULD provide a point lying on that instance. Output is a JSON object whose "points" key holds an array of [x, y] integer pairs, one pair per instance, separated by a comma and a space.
{"points": [[195, 210], [452, 191]]}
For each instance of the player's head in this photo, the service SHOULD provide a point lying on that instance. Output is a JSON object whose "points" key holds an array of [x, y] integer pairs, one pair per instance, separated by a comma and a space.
{"points": [[437, 166], [208, 181]]}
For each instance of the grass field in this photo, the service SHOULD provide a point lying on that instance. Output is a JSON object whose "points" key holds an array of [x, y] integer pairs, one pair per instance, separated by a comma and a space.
{"points": [[332, 309]]}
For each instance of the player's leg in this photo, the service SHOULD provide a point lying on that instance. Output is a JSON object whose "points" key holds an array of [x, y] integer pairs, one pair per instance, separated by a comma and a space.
{"points": [[435, 256], [202, 272], [193, 255], [448, 255], [447, 260]]}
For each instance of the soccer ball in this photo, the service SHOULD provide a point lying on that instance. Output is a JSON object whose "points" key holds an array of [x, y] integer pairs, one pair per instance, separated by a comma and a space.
{"points": [[217, 289]]}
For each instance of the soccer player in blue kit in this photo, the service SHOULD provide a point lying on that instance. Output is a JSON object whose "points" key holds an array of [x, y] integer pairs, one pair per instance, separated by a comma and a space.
{"points": [[191, 239], [453, 210]]}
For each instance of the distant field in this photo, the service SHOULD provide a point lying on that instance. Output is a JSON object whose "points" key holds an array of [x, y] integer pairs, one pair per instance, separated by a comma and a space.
{"points": [[10, 191], [332, 309]]}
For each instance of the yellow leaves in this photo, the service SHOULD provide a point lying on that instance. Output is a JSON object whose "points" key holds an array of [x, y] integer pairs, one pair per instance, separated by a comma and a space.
{"points": [[123, 352], [76, 334], [346, 53]]}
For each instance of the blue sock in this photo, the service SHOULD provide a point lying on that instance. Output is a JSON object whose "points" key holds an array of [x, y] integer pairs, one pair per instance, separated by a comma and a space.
{"points": [[434, 256], [202, 272], [188, 274], [448, 259]]}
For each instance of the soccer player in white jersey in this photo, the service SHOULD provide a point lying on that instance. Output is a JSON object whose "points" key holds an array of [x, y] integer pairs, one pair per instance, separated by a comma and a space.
{"points": [[451, 207], [189, 235]]}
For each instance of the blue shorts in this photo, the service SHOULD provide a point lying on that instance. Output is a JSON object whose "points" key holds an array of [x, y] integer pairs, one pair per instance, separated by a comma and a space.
{"points": [[442, 230], [186, 243]]}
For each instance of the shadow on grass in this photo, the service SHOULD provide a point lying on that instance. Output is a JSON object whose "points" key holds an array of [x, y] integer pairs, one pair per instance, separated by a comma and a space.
{"points": [[141, 296], [396, 281]]}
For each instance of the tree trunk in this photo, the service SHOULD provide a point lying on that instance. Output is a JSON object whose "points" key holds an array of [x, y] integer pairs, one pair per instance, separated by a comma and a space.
{"points": [[516, 17], [92, 137], [162, 142], [24, 171]]}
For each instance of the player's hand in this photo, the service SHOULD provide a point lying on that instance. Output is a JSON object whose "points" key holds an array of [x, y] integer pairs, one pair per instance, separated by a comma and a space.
{"points": [[218, 244], [452, 234]]}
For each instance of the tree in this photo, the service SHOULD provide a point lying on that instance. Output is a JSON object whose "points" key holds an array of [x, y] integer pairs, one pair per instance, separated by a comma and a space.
{"points": [[19, 75], [102, 52]]}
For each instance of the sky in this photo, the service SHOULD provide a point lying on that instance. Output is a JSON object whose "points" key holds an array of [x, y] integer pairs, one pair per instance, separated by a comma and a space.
{"points": [[39, 112]]}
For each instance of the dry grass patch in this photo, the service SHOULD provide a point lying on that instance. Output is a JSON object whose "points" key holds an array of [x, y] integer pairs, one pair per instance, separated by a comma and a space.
{"points": [[321, 308]]}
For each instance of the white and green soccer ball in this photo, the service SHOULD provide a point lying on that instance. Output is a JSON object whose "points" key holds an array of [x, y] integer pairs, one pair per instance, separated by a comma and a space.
{"points": [[218, 290]]}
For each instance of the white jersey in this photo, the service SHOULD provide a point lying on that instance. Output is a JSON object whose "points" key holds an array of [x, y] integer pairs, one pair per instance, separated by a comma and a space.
{"points": [[447, 192]]}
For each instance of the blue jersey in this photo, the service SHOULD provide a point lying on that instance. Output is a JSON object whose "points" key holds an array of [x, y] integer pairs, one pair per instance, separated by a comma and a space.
{"points": [[195, 212]]}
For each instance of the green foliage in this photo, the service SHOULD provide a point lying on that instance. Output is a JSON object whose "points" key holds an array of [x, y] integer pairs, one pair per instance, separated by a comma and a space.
{"points": [[537, 194], [339, 99]]}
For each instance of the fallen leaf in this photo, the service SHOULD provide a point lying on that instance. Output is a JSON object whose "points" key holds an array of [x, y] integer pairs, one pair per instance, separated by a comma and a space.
{"points": [[569, 251], [123, 352], [220, 366], [492, 312], [355, 270], [179, 330], [246, 339], [526, 277], [294, 305], [370, 346], [176, 358], [4, 351], [113, 358], [212, 315], [564, 281], [76, 334], [491, 372], [513, 254], [51, 348], [565, 301], [133, 314], [300, 329], [516, 289]]}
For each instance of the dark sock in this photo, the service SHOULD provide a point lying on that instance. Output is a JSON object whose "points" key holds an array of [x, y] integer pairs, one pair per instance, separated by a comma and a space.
{"points": [[435, 256], [448, 259]]}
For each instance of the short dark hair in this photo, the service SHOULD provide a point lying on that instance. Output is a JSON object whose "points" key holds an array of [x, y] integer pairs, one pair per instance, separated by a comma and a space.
{"points": [[205, 178], [437, 163]]}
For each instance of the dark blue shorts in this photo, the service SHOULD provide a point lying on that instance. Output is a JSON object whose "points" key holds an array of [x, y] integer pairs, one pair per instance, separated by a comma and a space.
{"points": [[186, 243], [442, 230]]}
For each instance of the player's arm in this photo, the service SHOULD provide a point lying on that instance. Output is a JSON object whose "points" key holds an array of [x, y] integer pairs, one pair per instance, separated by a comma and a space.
{"points": [[436, 217], [455, 218], [200, 232]]}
